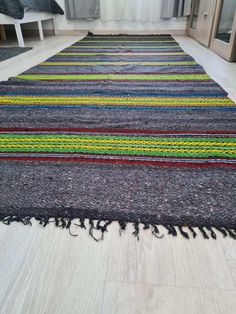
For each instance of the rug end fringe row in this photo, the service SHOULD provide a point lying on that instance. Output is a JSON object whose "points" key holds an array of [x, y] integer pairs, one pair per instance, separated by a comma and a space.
{"points": [[101, 226]]}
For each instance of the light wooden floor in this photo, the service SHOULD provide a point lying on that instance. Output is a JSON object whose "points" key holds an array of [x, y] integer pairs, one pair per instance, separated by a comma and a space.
{"points": [[45, 271]]}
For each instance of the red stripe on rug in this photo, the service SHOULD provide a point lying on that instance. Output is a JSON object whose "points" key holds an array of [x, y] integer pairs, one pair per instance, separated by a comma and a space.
{"points": [[122, 162], [114, 73], [108, 156], [104, 130]]}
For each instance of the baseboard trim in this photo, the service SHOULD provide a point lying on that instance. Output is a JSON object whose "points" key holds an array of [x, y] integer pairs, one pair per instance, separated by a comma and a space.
{"points": [[114, 32], [71, 32]]}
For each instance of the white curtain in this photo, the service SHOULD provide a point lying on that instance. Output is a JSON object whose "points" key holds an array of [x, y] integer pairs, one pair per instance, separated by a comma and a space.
{"points": [[130, 10]]}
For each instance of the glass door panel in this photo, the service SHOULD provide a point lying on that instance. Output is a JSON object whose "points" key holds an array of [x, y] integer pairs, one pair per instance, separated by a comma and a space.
{"points": [[224, 30], [196, 7]]}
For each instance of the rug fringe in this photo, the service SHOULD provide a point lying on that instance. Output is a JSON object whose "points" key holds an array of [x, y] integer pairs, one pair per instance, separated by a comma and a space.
{"points": [[98, 228]]}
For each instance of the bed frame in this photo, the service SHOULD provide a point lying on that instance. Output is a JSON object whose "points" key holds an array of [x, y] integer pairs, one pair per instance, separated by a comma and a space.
{"points": [[29, 17]]}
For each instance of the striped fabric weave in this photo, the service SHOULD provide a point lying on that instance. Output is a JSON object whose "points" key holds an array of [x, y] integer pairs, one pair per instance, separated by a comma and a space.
{"points": [[130, 73], [127, 128]]}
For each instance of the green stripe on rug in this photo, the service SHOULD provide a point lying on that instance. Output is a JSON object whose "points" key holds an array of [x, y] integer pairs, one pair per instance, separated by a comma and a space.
{"points": [[142, 77], [146, 146]]}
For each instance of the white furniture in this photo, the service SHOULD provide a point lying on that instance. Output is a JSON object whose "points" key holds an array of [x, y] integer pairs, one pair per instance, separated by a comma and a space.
{"points": [[29, 17]]}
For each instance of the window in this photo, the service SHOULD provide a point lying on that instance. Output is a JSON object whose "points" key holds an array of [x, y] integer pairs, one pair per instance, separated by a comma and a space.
{"points": [[226, 20]]}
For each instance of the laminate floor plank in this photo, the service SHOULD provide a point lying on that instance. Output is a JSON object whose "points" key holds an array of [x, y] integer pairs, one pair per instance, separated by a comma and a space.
{"points": [[150, 299]]}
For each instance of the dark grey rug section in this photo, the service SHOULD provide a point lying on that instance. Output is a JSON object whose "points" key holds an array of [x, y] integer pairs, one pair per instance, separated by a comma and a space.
{"points": [[115, 192], [10, 52], [175, 196]]}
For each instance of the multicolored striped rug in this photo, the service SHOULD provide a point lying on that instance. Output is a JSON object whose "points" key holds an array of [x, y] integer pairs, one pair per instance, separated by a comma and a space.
{"points": [[119, 128]]}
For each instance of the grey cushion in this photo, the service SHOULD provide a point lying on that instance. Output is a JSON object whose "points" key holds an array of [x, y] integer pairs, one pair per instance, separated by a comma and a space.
{"points": [[16, 8]]}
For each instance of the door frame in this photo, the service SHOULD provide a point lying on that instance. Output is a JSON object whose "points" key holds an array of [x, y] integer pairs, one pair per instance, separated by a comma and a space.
{"points": [[192, 32], [205, 17], [224, 49]]}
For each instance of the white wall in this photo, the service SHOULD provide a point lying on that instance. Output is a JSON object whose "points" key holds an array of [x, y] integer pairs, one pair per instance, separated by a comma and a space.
{"points": [[64, 25]]}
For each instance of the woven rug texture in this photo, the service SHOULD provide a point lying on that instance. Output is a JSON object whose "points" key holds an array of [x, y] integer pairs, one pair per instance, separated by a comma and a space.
{"points": [[125, 128]]}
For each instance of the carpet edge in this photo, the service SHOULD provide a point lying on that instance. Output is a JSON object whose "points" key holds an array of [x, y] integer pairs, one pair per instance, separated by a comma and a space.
{"points": [[186, 231]]}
